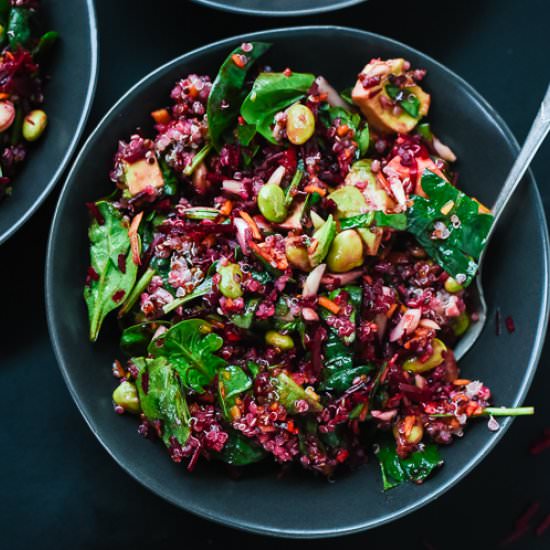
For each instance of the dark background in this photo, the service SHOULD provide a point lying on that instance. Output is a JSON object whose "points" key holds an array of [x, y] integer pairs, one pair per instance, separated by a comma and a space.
{"points": [[59, 488]]}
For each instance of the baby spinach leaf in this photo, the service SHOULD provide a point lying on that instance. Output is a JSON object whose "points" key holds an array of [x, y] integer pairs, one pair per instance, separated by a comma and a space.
{"points": [[190, 346], [290, 392], [161, 398], [109, 251], [340, 380], [377, 218], [240, 451], [19, 30], [351, 119], [232, 381], [200, 290], [227, 91], [135, 339], [467, 228], [246, 133], [416, 468], [244, 320], [406, 99], [270, 94]]}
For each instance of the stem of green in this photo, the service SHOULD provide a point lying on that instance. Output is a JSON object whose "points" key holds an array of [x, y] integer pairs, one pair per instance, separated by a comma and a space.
{"points": [[201, 290], [197, 159], [140, 286], [496, 411], [296, 179]]}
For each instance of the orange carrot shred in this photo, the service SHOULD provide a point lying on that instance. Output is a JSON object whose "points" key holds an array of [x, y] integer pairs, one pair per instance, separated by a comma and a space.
{"points": [[461, 382], [226, 208], [391, 311], [4, 95], [315, 189], [134, 238], [252, 224], [161, 116], [329, 304]]}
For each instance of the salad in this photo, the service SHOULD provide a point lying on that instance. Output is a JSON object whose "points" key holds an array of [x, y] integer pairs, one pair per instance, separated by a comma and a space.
{"points": [[22, 121], [290, 265]]}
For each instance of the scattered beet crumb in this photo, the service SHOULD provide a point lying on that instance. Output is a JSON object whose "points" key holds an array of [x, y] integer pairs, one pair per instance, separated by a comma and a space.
{"points": [[510, 325], [94, 211], [122, 263], [498, 328], [543, 526], [118, 295], [541, 444], [119, 409]]}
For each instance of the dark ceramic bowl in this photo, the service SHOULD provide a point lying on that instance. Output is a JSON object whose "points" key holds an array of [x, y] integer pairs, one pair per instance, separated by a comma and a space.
{"points": [[278, 8], [72, 69], [300, 504]]}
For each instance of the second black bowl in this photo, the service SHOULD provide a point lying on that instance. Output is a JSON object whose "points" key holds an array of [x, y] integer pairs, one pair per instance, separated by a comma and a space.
{"points": [[302, 505]]}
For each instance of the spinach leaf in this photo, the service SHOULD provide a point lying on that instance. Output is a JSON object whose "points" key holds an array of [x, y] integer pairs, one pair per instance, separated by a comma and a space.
{"points": [[161, 398], [377, 218], [200, 290], [351, 119], [355, 297], [246, 133], [109, 251], [467, 228], [244, 320], [135, 339], [232, 381], [190, 346], [270, 94], [406, 99], [290, 392], [19, 30], [416, 468], [240, 451], [340, 380], [227, 91]]}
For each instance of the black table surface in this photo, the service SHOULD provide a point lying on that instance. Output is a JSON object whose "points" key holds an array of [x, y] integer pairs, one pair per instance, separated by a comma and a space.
{"points": [[60, 489]]}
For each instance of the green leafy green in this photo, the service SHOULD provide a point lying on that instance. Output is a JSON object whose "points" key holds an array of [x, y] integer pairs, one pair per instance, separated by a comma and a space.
{"points": [[406, 99], [355, 297], [467, 229], [135, 339], [416, 468], [228, 92], [232, 382], [290, 392], [19, 30], [244, 320], [271, 93], [190, 347], [340, 380], [134, 295], [161, 398], [200, 290], [351, 119], [106, 290], [45, 44], [197, 159], [246, 133], [240, 451], [171, 184], [377, 218]]}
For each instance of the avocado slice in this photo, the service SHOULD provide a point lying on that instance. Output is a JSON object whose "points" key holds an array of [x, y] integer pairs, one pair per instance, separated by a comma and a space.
{"points": [[374, 194], [324, 237], [372, 237], [378, 111], [142, 174], [349, 201]]}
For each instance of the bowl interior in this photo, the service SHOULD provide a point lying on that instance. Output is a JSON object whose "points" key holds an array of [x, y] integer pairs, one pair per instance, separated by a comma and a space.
{"points": [[279, 7], [68, 97], [300, 504]]}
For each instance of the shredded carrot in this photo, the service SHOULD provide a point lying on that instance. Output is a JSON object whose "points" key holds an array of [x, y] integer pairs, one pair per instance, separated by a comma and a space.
{"points": [[134, 238], [315, 189], [226, 208], [368, 279], [162, 116], [252, 224], [329, 304], [482, 208], [239, 60], [408, 425], [313, 246], [461, 382], [391, 311], [4, 95], [235, 412], [342, 130]]}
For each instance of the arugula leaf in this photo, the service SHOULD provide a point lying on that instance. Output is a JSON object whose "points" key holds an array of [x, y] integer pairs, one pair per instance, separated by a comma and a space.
{"points": [[227, 92], [378, 218], [240, 451], [232, 381], [190, 346], [290, 392], [467, 228], [161, 398], [109, 242], [416, 468], [135, 339], [270, 94]]}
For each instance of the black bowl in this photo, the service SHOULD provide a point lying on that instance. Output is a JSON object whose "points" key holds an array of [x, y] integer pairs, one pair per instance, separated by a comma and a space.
{"points": [[279, 8], [300, 504], [72, 69]]}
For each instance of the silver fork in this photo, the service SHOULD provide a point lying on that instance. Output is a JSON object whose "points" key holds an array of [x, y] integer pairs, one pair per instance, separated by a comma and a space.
{"points": [[539, 130]]}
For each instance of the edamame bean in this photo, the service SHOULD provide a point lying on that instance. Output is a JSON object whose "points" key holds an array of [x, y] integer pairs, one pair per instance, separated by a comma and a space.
{"points": [[271, 202], [415, 365], [461, 324], [126, 396], [230, 283], [296, 253], [278, 340], [300, 123], [34, 125], [346, 252]]}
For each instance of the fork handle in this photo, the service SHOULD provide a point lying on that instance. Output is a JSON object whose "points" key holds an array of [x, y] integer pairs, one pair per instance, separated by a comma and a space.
{"points": [[537, 133]]}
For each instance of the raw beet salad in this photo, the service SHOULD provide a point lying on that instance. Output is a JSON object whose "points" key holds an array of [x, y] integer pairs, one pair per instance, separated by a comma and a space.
{"points": [[23, 49], [289, 265]]}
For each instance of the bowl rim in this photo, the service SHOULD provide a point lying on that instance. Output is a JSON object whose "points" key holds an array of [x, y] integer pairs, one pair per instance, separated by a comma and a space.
{"points": [[251, 526], [336, 5], [86, 109]]}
